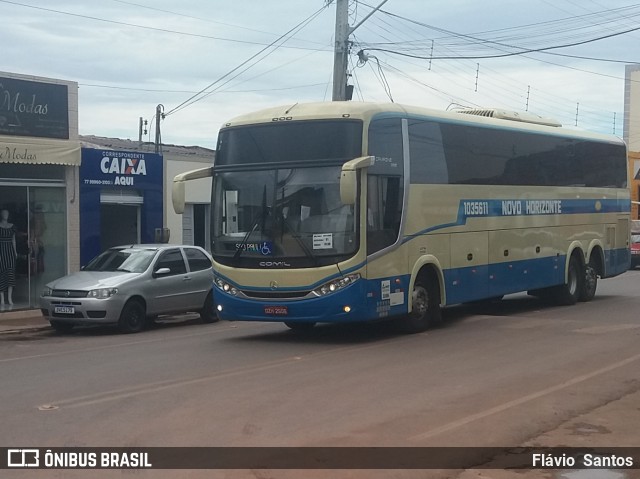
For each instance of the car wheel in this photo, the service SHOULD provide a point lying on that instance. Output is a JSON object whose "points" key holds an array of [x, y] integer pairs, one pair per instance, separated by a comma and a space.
{"points": [[208, 312], [132, 317], [62, 326]]}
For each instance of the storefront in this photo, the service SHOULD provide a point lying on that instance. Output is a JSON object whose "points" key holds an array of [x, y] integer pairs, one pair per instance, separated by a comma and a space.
{"points": [[121, 199], [39, 161]]}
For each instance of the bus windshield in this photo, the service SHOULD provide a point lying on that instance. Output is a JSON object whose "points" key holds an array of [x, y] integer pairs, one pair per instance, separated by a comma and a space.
{"points": [[283, 216], [276, 194]]}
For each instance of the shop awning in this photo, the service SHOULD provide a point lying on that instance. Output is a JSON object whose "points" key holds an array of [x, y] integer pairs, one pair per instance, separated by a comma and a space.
{"points": [[39, 151]]}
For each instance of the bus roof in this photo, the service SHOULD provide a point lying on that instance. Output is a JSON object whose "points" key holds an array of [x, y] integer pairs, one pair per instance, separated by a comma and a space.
{"points": [[366, 110]]}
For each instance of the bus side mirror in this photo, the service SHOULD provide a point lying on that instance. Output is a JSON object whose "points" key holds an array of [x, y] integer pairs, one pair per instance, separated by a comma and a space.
{"points": [[349, 178], [177, 196], [348, 187], [177, 190]]}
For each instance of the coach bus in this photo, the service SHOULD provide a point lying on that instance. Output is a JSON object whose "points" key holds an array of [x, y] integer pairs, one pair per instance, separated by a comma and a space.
{"points": [[343, 211]]}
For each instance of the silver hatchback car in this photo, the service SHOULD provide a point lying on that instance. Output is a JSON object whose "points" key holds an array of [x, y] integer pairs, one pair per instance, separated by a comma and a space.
{"points": [[130, 285]]}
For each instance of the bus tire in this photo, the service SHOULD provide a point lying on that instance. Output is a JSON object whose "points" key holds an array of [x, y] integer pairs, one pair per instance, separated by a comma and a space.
{"points": [[567, 294], [589, 283], [426, 312]]}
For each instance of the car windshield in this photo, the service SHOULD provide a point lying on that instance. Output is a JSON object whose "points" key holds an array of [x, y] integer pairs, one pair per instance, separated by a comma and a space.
{"points": [[129, 260], [635, 237]]}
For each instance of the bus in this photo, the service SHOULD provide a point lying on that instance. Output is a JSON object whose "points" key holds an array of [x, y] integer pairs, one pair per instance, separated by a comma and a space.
{"points": [[341, 212]]}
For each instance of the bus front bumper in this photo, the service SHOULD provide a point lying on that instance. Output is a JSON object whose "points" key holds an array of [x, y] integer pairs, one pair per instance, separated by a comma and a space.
{"points": [[346, 305]]}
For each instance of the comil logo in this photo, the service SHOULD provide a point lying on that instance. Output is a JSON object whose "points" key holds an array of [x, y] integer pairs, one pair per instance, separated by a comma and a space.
{"points": [[23, 458]]}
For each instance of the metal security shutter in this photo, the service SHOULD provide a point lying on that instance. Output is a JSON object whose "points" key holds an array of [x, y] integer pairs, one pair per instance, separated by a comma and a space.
{"points": [[121, 197]]}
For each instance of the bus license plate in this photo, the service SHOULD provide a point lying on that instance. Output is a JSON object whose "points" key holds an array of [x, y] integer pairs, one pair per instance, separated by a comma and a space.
{"points": [[64, 310], [276, 310]]}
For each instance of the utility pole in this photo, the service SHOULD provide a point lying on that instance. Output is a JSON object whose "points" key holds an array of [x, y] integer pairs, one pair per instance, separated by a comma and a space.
{"points": [[341, 49], [159, 116]]}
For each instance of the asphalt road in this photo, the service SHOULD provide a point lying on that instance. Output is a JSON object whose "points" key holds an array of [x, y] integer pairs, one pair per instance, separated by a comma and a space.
{"points": [[491, 376]]}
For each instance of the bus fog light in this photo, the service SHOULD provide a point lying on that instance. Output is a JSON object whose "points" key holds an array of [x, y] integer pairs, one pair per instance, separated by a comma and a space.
{"points": [[219, 308], [347, 309]]}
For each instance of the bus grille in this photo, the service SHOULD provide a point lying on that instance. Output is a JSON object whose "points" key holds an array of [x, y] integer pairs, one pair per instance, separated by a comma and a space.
{"points": [[276, 294]]}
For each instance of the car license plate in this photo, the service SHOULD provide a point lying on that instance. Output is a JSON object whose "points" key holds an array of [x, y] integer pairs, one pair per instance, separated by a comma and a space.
{"points": [[276, 310], [64, 309]]}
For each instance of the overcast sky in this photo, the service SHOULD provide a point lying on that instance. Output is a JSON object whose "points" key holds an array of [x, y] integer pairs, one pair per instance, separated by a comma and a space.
{"points": [[130, 56]]}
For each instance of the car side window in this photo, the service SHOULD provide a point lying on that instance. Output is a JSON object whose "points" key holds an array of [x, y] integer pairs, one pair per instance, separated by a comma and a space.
{"points": [[197, 260], [173, 260]]}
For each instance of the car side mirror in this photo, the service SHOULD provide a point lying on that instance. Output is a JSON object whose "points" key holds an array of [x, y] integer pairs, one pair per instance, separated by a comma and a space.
{"points": [[161, 272]]}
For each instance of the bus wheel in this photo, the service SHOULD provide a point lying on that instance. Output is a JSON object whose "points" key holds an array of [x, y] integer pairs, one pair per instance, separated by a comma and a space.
{"points": [[300, 327], [426, 307], [589, 284], [568, 294]]}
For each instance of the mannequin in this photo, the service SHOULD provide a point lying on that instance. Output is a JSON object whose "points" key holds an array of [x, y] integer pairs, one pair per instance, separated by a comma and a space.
{"points": [[8, 255]]}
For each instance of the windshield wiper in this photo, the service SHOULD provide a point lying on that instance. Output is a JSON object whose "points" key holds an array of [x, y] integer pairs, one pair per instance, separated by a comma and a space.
{"points": [[300, 241]]}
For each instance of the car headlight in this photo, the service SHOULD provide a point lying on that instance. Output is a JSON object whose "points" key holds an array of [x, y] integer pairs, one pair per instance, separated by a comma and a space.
{"points": [[102, 293], [224, 286], [336, 284], [46, 292]]}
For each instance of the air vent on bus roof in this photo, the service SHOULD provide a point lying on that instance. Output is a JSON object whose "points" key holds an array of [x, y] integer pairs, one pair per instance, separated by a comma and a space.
{"points": [[513, 116]]}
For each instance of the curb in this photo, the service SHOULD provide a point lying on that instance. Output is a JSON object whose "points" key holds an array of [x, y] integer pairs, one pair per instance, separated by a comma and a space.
{"points": [[21, 321]]}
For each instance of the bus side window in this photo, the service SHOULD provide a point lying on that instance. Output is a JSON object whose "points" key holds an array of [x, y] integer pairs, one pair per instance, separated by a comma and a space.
{"points": [[384, 210], [385, 183]]}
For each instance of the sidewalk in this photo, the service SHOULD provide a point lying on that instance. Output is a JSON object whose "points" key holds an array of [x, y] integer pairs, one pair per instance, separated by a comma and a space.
{"points": [[21, 320], [611, 425]]}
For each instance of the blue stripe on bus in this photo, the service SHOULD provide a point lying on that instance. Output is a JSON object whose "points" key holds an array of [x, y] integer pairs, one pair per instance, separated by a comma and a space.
{"points": [[530, 207], [462, 285]]}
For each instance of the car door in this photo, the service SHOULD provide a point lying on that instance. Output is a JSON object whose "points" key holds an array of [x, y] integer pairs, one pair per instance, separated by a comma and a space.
{"points": [[170, 285], [201, 271]]}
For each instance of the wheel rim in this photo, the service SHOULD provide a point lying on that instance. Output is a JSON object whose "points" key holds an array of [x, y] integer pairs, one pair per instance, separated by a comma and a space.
{"points": [[134, 318], [420, 301], [573, 279]]}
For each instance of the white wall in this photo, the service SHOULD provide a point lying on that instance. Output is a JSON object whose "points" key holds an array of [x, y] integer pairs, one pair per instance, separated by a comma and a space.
{"points": [[196, 191], [632, 107]]}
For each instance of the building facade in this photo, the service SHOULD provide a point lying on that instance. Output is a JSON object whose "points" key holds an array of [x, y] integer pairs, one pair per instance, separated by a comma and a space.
{"points": [[39, 170], [632, 132], [192, 227], [121, 199]]}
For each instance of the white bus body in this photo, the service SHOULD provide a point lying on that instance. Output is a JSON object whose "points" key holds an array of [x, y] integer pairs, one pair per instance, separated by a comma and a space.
{"points": [[345, 211]]}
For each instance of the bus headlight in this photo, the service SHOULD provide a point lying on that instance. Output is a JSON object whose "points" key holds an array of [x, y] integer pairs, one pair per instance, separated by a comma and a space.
{"points": [[224, 286], [336, 284]]}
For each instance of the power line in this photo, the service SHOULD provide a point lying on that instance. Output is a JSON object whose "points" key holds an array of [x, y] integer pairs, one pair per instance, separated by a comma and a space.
{"points": [[506, 54], [145, 27], [193, 17], [203, 93]]}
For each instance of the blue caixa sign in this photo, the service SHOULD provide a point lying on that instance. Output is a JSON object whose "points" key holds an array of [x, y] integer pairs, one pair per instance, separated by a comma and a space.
{"points": [[108, 173]]}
